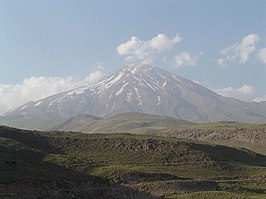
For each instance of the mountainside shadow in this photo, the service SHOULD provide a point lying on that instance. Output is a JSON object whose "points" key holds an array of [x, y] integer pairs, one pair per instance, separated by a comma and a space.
{"points": [[230, 154], [30, 138], [24, 173]]}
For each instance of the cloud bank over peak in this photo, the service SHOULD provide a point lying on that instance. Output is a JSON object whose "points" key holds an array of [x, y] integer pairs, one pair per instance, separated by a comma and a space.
{"points": [[245, 92], [261, 55], [137, 50], [185, 58], [239, 52], [35, 88], [162, 42]]}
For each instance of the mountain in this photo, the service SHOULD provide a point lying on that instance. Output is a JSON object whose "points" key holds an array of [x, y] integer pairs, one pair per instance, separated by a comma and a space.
{"points": [[136, 88]]}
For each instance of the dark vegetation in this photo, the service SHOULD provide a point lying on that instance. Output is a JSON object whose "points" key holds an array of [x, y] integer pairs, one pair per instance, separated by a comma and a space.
{"points": [[234, 134], [75, 165]]}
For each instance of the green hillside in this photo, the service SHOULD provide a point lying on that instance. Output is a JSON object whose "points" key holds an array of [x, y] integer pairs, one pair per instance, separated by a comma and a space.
{"points": [[234, 134], [75, 165], [125, 122]]}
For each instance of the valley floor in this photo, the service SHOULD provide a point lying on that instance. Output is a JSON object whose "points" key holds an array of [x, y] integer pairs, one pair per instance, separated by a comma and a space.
{"points": [[75, 165]]}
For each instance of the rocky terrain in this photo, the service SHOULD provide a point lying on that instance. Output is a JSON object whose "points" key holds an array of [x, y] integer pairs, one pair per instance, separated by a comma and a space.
{"points": [[248, 136], [74, 165]]}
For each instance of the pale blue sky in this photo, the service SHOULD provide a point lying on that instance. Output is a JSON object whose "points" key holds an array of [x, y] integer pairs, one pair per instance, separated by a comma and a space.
{"points": [[59, 38]]}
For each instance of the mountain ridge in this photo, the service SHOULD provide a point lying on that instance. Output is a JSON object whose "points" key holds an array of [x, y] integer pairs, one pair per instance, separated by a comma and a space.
{"points": [[140, 88], [120, 123]]}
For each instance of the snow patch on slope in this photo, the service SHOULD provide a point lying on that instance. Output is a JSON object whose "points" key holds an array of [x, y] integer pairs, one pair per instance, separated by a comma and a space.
{"points": [[38, 103], [159, 100], [121, 89], [138, 95], [129, 94]]}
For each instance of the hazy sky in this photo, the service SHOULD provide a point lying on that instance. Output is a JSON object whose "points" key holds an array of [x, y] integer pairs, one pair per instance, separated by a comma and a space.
{"points": [[53, 45]]}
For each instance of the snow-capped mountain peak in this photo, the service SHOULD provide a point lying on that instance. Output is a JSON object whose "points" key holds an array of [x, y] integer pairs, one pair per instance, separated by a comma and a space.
{"points": [[147, 89], [137, 68]]}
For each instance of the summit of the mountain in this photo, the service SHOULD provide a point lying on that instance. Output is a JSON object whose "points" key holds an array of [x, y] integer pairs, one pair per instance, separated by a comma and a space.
{"points": [[137, 68], [139, 88]]}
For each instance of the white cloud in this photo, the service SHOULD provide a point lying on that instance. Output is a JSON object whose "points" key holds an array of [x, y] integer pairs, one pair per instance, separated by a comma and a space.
{"points": [[94, 76], [185, 58], [137, 50], [239, 52], [261, 55], [245, 92], [260, 99], [162, 42], [35, 88]]}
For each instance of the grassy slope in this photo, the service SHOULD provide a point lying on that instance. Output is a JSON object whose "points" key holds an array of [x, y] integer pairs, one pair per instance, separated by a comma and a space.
{"points": [[78, 123], [125, 122], [77, 156], [250, 136], [211, 195], [25, 171]]}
